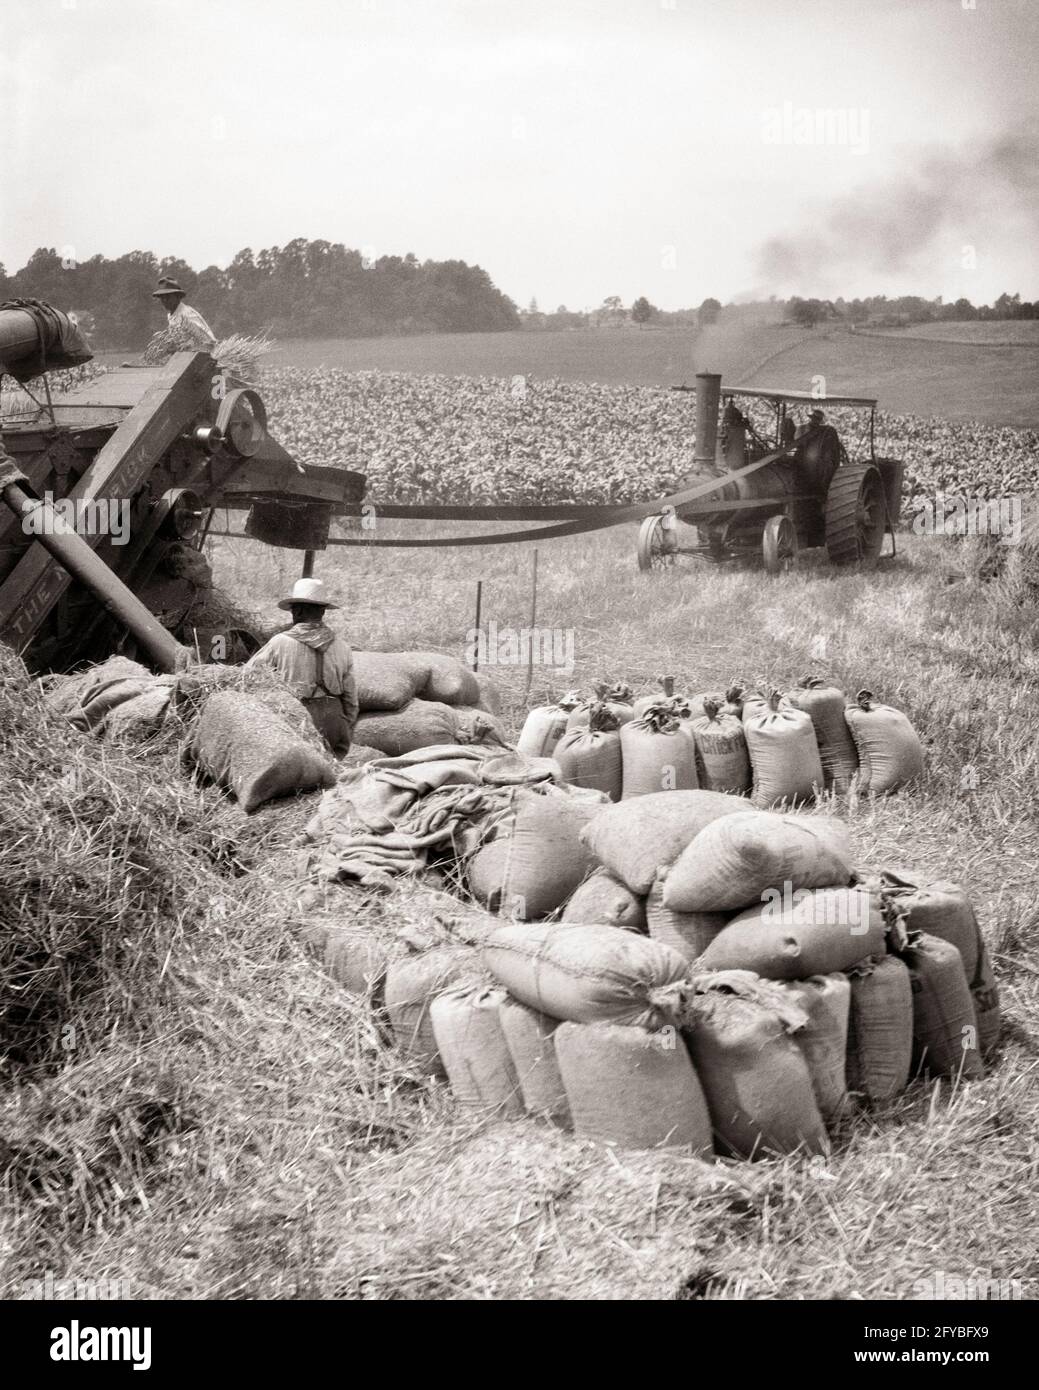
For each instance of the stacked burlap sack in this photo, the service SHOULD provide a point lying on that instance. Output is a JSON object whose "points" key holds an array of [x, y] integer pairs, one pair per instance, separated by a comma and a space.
{"points": [[504, 821], [721, 979], [775, 747], [246, 731], [243, 730], [412, 700]]}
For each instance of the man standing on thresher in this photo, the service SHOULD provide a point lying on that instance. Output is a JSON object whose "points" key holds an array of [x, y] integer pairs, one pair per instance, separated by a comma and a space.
{"points": [[315, 663], [183, 323]]}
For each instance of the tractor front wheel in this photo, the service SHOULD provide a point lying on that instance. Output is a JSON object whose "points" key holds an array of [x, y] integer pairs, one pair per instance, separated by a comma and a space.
{"points": [[855, 515], [778, 544], [658, 544]]}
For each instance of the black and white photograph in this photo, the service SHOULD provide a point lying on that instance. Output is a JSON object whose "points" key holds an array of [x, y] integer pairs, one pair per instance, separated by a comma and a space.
{"points": [[519, 669]]}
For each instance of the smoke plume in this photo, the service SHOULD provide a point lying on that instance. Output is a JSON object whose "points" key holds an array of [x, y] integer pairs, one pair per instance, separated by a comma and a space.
{"points": [[966, 197]]}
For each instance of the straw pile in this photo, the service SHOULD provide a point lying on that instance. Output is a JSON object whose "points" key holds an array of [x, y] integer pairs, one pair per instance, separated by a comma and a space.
{"points": [[238, 355]]}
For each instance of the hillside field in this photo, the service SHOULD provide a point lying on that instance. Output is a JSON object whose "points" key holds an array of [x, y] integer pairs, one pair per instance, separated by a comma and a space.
{"points": [[994, 385], [1017, 332]]}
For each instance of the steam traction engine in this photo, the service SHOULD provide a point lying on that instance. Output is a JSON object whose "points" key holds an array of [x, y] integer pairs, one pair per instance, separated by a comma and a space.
{"points": [[792, 492]]}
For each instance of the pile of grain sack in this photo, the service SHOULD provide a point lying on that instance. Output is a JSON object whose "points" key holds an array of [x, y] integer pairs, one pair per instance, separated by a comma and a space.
{"points": [[719, 978], [244, 729], [412, 700], [776, 746]]}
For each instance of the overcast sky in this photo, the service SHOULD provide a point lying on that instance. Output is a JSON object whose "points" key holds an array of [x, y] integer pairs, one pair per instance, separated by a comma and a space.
{"points": [[573, 148]]}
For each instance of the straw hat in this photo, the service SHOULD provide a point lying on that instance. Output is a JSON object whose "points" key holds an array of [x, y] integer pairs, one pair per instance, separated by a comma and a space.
{"points": [[167, 285], [308, 591]]}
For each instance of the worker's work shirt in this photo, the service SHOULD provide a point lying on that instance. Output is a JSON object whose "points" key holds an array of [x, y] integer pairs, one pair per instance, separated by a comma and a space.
{"points": [[190, 328], [315, 664]]}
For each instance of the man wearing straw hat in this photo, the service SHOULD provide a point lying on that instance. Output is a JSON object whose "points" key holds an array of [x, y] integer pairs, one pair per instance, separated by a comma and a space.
{"points": [[182, 322], [317, 665]]}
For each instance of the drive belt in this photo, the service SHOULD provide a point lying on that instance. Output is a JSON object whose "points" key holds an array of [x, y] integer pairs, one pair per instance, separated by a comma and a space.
{"points": [[615, 516]]}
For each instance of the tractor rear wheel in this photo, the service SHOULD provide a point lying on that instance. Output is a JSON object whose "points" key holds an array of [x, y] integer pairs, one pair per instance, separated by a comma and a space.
{"points": [[658, 543], [778, 544], [855, 514]]}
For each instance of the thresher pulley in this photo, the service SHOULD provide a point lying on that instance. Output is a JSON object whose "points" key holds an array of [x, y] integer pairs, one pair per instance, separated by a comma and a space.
{"points": [[241, 422], [181, 512], [207, 437]]}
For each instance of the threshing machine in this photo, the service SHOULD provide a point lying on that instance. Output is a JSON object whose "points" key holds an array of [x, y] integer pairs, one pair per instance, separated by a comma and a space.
{"points": [[109, 489]]}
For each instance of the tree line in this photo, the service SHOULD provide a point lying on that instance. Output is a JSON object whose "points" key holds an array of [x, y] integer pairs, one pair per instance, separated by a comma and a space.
{"points": [[307, 289], [876, 310], [910, 308], [316, 289]]}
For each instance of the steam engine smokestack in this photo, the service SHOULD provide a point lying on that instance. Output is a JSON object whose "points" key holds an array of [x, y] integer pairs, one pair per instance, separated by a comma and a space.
{"points": [[708, 398]]}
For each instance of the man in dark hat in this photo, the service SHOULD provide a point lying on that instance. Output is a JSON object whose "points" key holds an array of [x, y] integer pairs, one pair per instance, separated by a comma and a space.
{"points": [[185, 324]]}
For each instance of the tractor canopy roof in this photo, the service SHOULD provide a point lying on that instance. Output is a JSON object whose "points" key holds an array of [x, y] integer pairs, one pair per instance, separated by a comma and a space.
{"points": [[808, 397]]}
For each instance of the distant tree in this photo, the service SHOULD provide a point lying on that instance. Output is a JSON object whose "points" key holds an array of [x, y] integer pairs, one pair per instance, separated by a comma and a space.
{"points": [[806, 312], [960, 310], [642, 311], [708, 312], [611, 313], [564, 318]]}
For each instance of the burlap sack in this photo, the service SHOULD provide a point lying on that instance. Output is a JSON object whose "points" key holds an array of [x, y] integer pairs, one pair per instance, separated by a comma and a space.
{"points": [[757, 1083], [449, 680], [585, 974], [732, 861], [537, 858], [388, 680], [473, 1051], [636, 838], [889, 748], [824, 705], [604, 901], [826, 999], [814, 933], [420, 724], [247, 748], [631, 1088], [880, 1029]]}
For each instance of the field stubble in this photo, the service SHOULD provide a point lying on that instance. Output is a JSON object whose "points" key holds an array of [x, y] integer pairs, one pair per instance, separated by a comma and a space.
{"points": [[938, 1181]]}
